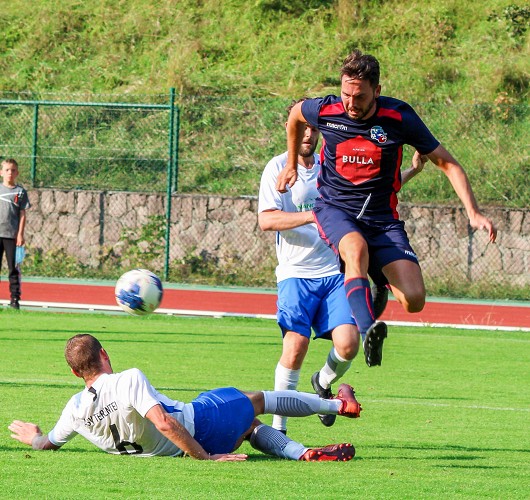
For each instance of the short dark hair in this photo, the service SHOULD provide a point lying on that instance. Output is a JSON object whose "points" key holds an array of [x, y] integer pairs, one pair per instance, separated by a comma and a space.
{"points": [[361, 66], [82, 354], [10, 161], [293, 103]]}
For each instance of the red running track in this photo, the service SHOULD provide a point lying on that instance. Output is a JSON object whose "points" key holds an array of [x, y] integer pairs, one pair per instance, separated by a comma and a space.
{"points": [[256, 303]]}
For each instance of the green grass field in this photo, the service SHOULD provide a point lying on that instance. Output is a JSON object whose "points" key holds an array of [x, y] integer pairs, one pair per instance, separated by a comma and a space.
{"points": [[447, 415]]}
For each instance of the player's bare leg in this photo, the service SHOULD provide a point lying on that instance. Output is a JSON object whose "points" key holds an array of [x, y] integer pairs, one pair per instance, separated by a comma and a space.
{"points": [[406, 281]]}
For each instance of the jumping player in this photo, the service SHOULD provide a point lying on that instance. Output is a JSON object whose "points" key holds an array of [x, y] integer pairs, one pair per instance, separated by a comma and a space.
{"points": [[356, 214], [122, 413], [310, 284]]}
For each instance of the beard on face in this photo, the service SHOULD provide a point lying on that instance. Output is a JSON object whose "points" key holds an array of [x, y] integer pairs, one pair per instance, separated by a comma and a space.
{"points": [[307, 150], [360, 113]]}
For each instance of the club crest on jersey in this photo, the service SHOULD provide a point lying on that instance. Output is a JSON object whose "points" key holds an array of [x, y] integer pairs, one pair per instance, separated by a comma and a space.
{"points": [[377, 133]]}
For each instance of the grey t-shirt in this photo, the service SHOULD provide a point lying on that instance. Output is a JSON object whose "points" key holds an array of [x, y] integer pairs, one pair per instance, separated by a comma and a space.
{"points": [[12, 201]]}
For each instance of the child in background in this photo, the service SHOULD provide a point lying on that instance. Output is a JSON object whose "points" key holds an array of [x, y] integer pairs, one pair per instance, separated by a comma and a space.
{"points": [[13, 204]]}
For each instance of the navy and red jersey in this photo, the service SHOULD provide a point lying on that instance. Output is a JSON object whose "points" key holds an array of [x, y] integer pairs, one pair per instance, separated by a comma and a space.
{"points": [[361, 160]]}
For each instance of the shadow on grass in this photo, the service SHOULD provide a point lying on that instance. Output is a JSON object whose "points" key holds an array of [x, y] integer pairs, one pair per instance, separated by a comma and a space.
{"points": [[73, 386], [29, 451], [130, 335]]}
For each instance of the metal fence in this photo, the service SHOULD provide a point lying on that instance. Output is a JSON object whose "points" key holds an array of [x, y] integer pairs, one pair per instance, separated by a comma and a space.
{"points": [[207, 145], [92, 144]]}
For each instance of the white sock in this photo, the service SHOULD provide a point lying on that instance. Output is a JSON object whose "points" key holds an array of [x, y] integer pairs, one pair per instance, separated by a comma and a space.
{"points": [[336, 366], [299, 404], [284, 379]]}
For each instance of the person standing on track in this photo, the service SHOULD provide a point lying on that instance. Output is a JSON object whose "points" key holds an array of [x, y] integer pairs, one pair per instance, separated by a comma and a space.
{"points": [[310, 285], [364, 133], [13, 205]]}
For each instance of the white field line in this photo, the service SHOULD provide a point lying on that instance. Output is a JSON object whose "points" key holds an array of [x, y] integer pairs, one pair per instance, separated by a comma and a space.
{"points": [[444, 405], [222, 314]]}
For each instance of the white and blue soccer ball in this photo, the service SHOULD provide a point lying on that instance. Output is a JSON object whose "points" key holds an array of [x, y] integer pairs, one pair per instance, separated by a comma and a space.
{"points": [[139, 292]]}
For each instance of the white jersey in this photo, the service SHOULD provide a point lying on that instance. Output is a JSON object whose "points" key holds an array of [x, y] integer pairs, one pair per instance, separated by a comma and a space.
{"points": [[301, 252], [111, 415]]}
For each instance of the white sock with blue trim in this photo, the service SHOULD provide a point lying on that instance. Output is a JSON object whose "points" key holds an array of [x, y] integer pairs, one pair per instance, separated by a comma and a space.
{"points": [[284, 379]]}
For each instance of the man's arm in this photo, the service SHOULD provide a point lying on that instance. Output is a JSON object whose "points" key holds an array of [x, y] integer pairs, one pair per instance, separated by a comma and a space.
{"points": [[458, 179], [296, 124], [30, 434], [278, 220], [21, 227], [418, 162], [179, 435]]}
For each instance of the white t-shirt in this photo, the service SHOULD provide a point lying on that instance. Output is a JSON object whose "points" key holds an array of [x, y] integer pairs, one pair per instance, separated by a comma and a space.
{"points": [[112, 417], [301, 252]]}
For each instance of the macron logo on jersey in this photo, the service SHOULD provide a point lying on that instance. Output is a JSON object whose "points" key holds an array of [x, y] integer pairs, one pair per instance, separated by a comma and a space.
{"points": [[336, 126]]}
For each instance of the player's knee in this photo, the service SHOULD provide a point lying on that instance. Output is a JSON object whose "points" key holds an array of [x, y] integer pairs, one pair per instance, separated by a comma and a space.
{"points": [[292, 359], [258, 401], [354, 257], [249, 432], [414, 303], [348, 351]]}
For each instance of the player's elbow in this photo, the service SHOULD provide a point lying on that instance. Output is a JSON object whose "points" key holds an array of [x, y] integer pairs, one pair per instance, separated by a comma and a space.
{"points": [[163, 422], [163, 427], [265, 223]]}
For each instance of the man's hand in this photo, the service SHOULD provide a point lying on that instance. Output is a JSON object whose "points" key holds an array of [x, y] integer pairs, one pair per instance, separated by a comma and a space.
{"points": [[287, 177], [24, 431], [479, 221], [418, 162]]}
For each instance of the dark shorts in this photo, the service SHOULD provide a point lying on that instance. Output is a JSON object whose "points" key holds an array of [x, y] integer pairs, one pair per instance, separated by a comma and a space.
{"points": [[387, 241], [222, 416]]}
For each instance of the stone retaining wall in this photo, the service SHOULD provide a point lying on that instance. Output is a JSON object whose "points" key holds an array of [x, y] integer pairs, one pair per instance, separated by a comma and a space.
{"points": [[88, 224]]}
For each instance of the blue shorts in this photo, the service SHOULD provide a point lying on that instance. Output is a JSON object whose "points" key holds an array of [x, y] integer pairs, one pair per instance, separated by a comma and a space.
{"points": [[318, 303], [387, 241], [222, 416]]}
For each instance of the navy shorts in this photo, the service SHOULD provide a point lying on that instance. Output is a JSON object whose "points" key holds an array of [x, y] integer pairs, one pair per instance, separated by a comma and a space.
{"points": [[387, 241], [318, 303], [222, 416]]}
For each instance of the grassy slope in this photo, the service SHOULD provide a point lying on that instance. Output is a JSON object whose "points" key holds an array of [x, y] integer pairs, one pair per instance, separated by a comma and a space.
{"points": [[428, 51], [431, 52]]}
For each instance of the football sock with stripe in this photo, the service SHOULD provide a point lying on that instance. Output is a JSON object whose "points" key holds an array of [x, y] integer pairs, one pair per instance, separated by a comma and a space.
{"points": [[284, 379], [273, 442], [298, 404], [336, 366], [360, 300]]}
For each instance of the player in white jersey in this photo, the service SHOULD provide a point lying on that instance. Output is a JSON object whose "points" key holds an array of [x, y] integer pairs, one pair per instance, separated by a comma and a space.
{"points": [[122, 413], [310, 284]]}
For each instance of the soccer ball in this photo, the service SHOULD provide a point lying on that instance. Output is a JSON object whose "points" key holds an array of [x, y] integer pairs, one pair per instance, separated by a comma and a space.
{"points": [[139, 292]]}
